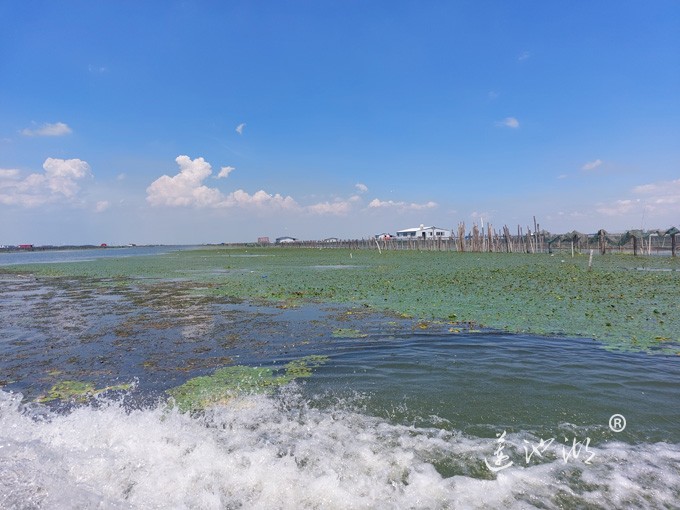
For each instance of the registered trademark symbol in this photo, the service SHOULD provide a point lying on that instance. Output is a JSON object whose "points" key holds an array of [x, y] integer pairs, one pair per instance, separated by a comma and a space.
{"points": [[617, 422]]}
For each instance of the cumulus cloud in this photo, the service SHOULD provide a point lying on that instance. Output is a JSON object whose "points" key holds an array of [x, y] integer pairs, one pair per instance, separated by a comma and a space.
{"points": [[361, 188], [56, 129], [383, 204], [240, 128], [187, 189], [61, 175], [260, 199], [59, 181], [225, 171], [510, 122], [592, 165]]}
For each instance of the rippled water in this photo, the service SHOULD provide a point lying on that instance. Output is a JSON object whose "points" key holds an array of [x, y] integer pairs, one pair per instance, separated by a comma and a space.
{"points": [[404, 415]]}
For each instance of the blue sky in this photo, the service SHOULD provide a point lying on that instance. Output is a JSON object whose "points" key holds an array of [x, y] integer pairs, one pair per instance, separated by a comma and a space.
{"points": [[194, 122]]}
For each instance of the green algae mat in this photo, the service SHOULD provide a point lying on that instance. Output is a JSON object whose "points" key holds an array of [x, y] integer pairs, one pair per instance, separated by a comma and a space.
{"points": [[228, 382], [627, 302]]}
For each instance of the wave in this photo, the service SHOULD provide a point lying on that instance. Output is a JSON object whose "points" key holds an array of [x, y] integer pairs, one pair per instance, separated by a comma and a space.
{"points": [[282, 451]]}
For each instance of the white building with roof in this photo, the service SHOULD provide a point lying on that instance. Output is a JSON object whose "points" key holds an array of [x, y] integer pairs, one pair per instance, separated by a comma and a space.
{"points": [[423, 232], [285, 240]]}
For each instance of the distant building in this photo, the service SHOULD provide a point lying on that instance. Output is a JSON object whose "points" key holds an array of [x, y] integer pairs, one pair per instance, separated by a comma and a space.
{"points": [[331, 240], [285, 240], [383, 236], [262, 240], [423, 232], [25, 246]]}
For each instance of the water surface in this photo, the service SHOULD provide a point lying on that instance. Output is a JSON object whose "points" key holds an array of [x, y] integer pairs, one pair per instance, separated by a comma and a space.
{"points": [[405, 413]]}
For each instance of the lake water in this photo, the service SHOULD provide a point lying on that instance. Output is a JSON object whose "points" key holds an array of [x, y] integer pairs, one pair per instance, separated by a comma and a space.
{"points": [[78, 255], [404, 414]]}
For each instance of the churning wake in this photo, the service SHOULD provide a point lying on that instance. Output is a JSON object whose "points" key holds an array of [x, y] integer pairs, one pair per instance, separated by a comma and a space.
{"points": [[282, 452]]}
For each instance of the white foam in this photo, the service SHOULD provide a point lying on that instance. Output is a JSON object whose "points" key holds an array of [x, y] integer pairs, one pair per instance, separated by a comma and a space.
{"points": [[278, 452]]}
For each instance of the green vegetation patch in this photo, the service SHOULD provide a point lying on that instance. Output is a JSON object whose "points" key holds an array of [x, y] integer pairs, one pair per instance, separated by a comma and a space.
{"points": [[228, 382], [303, 367], [78, 391], [348, 333], [625, 301]]}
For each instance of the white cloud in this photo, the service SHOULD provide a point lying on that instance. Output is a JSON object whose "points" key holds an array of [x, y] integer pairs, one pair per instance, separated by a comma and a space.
{"points": [[58, 182], [225, 171], [260, 199], [510, 122], [240, 128], [492, 95], [360, 187], [592, 165], [8, 173], [339, 207], [62, 174], [102, 206], [187, 189], [660, 196], [659, 199], [523, 56], [121, 176], [376, 203], [483, 216], [618, 208], [562, 176], [56, 129], [666, 188], [97, 69]]}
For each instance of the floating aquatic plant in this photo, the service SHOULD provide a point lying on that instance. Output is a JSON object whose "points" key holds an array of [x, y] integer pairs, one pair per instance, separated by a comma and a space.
{"points": [[228, 382], [348, 333], [614, 302], [303, 367], [78, 391]]}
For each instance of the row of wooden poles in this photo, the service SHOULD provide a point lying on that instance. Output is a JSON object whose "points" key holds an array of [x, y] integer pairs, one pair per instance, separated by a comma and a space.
{"points": [[492, 240]]}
